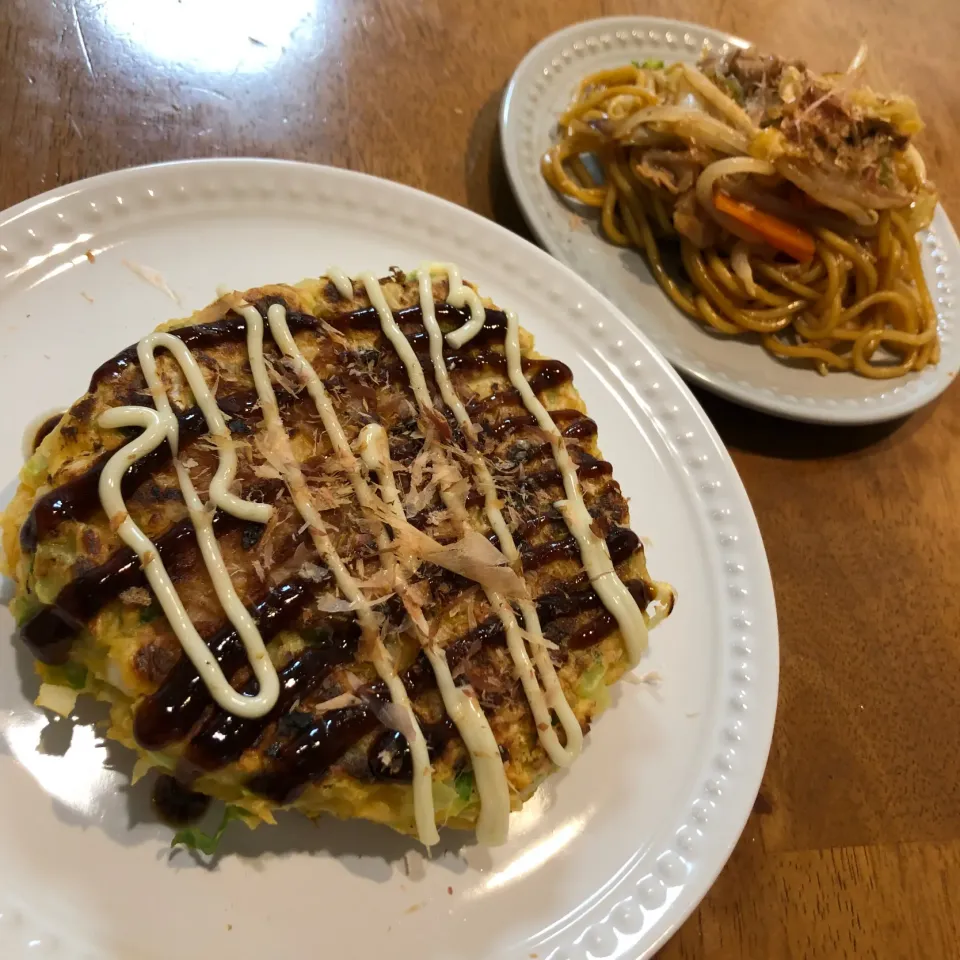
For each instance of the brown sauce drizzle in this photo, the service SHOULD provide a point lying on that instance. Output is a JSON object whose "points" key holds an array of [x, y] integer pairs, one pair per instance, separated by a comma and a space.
{"points": [[177, 805], [419, 339], [605, 623], [78, 498], [590, 470], [44, 430], [305, 746], [622, 542], [230, 327], [49, 633], [388, 757], [575, 427], [542, 374], [502, 398], [223, 737], [546, 374], [171, 712], [233, 327], [567, 599], [323, 741], [568, 602], [548, 478], [367, 318], [310, 754], [573, 424]]}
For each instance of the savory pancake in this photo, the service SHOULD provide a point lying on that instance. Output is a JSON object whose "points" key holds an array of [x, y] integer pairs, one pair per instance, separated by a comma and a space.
{"points": [[346, 546]]}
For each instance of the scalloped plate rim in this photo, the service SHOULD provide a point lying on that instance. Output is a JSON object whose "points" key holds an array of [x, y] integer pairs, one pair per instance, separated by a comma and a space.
{"points": [[746, 543]]}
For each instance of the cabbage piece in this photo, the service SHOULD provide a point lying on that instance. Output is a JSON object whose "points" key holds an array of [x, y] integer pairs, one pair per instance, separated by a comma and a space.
{"points": [[900, 112], [207, 843], [451, 799], [34, 473], [770, 145], [60, 700], [464, 785], [24, 607], [592, 685]]}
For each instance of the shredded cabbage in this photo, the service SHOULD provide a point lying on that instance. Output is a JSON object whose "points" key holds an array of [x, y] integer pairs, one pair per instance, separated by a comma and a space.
{"points": [[592, 685], [451, 799], [24, 607], [71, 674], [34, 472], [59, 699], [49, 586], [207, 843], [899, 112]]}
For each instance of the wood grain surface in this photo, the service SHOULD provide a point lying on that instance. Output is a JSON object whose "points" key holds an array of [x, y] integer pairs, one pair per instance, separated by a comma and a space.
{"points": [[853, 849]]}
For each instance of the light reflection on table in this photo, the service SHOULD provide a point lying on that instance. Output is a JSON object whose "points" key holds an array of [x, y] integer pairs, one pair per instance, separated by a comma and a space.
{"points": [[215, 36]]}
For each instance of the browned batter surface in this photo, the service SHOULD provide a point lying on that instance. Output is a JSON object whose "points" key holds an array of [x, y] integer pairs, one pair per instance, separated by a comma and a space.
{"points": [[85, 610]]}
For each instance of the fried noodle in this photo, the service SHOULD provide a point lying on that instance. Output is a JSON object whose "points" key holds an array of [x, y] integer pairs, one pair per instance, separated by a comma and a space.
{"points": [[794, 200]]}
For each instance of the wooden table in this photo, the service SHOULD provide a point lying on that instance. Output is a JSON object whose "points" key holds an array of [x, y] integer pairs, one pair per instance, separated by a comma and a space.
{"points": [[854, 845]]}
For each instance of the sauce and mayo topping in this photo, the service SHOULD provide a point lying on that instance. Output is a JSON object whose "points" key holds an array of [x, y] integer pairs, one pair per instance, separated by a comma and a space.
{"points": [[163, 717]]}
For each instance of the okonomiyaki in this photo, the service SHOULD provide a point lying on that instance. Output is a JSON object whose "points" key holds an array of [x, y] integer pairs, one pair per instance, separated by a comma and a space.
{"points": [[347, 547]]}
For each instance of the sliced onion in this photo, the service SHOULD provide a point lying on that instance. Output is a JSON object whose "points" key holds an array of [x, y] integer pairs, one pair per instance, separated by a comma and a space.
{"points": [[828, 192], [912, 156], [690, 124], [719, 100], [740, 261], [726, 168]]}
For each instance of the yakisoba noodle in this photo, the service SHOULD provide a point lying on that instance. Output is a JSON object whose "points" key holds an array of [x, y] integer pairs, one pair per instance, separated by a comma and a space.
{"points": [[795, 199]]}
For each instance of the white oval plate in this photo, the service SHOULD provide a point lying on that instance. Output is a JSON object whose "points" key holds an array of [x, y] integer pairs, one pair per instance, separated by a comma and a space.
{"points": [[541, 87], [607, 859]]}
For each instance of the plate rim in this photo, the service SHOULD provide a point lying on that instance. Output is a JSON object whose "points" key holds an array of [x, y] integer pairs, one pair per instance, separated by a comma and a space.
{"points": [[907, 394], [763, 695]]}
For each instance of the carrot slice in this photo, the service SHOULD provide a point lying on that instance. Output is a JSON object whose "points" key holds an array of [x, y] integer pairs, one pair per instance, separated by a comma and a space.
{"points": [[780, 234]]}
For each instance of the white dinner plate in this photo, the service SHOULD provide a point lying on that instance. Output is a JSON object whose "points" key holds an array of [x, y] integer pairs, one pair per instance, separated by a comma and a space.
{"points": [[608, 858], [541, 88]]}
